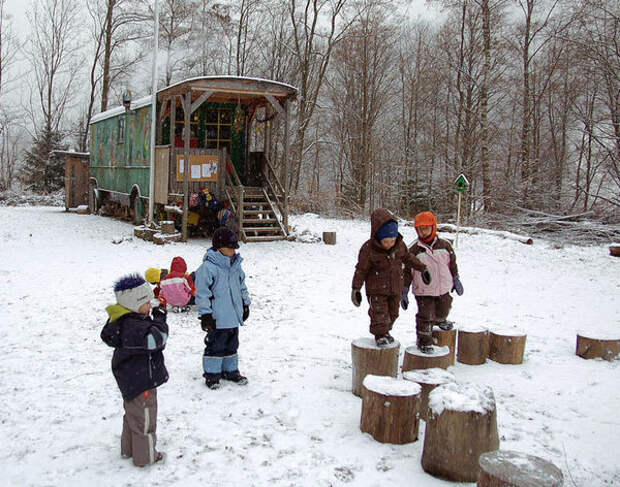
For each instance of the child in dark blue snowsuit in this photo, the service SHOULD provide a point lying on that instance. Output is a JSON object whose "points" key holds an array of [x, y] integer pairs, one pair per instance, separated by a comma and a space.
{"points": [[223, 304]]}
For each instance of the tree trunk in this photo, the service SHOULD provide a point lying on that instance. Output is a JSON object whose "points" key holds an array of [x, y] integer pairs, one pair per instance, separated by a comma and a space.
{"points": [[506, 348], [414, 359], [368, 358], [503, 468], [473, 346], [605, 348]]}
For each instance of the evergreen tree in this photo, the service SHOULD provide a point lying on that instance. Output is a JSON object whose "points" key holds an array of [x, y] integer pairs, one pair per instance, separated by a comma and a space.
{"points": [[42, 172]]}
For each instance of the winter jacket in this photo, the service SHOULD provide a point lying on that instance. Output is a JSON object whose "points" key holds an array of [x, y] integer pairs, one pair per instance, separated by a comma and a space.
{"points": [[177, 288], [221, 289], [382, 270], [138, 341], [440, 260]]}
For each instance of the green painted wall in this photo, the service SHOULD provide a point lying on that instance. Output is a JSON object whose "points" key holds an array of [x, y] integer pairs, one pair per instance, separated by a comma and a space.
{"points": [[118, 166]]}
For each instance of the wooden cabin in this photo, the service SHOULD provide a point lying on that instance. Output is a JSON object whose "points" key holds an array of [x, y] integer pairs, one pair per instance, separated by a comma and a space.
{"points": [[214, 152]]}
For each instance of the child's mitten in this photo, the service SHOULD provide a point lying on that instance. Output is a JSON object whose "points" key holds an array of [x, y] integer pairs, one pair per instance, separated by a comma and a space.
{"points": [[426, 277], [356, 297], [404, 300], [246, 312], [207, 322], [457, 286]]}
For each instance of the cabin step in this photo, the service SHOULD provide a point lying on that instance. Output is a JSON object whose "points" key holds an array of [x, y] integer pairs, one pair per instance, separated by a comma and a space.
{"points": [[266, 238], [262, 229], [257, 221], [266, 211]]}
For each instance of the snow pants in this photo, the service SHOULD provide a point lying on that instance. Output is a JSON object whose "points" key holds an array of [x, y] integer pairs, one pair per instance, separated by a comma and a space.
{"points": [[431, 310], [139, 424], [383, 312], [220, 353]]}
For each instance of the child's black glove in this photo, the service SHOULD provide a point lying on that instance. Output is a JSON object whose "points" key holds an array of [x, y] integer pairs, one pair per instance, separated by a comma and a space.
{"points": [[426, 277], [404, 300], [207, 322], [246, 312], [356, 297], [457, 286]]}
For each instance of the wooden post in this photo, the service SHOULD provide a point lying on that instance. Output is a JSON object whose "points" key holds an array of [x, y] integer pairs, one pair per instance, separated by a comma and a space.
{"points": [[462, 424], [504, 468], [329, 238], [473, 346], [428, 379], [390, 409], [415, 359], [443, 338], [458, 221], [286, 165], [187, 107], [507, 347], [368, 358], [603, 347]]}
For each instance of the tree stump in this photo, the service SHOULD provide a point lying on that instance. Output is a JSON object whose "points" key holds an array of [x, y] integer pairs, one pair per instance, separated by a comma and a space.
{"points": [[162, 238], [473, 346], [415, 359], [614, 250], [329, 238], [443, 338], [503, 468], [167, 227], [507, 346], [145, 233], [428, 379], [462, 424], [589, 347], [390, 409], [368, 358]]}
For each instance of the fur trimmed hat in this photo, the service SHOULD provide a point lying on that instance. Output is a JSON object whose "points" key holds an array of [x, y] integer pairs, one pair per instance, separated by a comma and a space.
{"points": [[132, 292]]}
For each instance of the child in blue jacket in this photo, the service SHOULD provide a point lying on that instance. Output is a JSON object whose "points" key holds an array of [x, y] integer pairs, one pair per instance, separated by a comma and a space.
{"points": [[223, 304], [137, 364]]}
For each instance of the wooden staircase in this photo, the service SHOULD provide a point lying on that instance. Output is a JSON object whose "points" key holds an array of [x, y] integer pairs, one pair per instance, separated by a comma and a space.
{"points": [[258, 209]]}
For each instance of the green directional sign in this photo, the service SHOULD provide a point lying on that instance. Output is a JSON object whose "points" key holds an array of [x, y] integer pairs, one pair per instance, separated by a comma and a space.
{"points": [[461, 183]]}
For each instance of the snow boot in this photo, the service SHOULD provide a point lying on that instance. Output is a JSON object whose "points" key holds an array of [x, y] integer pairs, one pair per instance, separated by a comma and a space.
{"points": [[445, 325], [389, 337], [213, 383], [427, 349], [235, 377], [382, 341]]}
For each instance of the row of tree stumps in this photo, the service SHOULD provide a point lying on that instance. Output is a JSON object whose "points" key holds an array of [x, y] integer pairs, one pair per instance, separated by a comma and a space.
{"points": [[461, 440]]}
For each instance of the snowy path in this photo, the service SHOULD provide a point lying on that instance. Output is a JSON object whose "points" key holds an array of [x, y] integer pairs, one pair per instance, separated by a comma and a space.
{"points": [[297, 422]]}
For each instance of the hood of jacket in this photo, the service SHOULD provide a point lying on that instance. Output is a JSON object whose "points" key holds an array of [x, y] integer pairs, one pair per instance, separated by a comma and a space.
{"points": [[378, 218], [178, 265], [111, 333], [220, 260]]}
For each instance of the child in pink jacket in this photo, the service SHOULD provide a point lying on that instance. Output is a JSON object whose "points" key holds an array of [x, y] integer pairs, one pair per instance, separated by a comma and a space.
{"points": [[433, 299]]}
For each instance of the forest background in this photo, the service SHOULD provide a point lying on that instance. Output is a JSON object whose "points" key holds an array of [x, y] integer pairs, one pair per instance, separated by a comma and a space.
{"points": [[521, 96]]}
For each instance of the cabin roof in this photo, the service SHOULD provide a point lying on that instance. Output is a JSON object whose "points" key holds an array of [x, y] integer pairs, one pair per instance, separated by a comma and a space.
{"points": [[225, 89]]}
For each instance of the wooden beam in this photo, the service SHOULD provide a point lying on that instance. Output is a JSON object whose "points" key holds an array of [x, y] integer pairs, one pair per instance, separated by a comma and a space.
{"points": [[164, 107], [187, 104], [201, 100], [274, 103]]}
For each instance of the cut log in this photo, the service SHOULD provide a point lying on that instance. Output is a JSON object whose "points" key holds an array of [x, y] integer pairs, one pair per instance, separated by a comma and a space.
{"points": [[589, 347], [329, 238], [368, 358], [167, 227], [462, 424], [443, 338], [161, 238], [507, 346], [390, 409], [614, 250], [145, 233], [428, 379], [504, 468], [473, 346], [415, 359]]}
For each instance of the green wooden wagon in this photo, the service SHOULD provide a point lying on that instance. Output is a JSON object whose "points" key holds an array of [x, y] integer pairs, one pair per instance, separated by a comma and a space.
{"points": [[218, 152]]}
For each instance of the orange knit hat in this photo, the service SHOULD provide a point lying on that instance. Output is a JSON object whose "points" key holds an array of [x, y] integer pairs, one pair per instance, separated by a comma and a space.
{"points": [[424, 219]]}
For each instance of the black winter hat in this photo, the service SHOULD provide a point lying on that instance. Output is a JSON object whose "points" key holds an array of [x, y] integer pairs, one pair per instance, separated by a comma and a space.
{"points": [[225, 237]]}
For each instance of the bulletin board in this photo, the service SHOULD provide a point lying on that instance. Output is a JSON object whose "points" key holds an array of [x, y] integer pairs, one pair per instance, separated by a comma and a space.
{"points": [[202, 167]]}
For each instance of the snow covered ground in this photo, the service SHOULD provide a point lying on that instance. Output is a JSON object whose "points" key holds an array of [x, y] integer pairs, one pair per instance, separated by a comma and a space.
{"points": [[296, 423]]}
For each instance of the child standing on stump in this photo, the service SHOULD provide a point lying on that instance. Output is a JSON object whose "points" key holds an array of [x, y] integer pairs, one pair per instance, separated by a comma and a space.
{"points": [[223, 304], [433, 298], [137, 364], [380, 267]]}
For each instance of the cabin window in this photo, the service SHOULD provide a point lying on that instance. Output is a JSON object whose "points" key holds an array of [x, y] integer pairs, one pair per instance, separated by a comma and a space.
{"points": [[121, 130], [219, 128]]}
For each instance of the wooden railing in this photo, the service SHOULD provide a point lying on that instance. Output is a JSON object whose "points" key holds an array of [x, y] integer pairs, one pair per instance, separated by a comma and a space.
{"points": [[274, 187], [233, 184]]}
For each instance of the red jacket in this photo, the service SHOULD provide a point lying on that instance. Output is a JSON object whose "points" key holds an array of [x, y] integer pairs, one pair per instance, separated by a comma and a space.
{"points": [[177, 287]]}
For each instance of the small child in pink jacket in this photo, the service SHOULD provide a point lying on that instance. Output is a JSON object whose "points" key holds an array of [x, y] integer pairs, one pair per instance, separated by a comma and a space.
{"points": [[433, 299]]}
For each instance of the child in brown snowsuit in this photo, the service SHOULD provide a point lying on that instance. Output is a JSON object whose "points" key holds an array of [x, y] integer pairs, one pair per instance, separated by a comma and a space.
{"points": [[380, 268]]}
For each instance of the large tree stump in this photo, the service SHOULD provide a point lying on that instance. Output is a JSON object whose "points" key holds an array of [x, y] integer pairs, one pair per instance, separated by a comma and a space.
{"points": [[428, 379], [589, 347], [167, 227], [390, 409], [473, 345], [415, 359], [462, 424], [443, 338], [145, 233], [368, 358], [503, 468], [162, 238], [614, 250], [329, 238], [507, 346]]}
